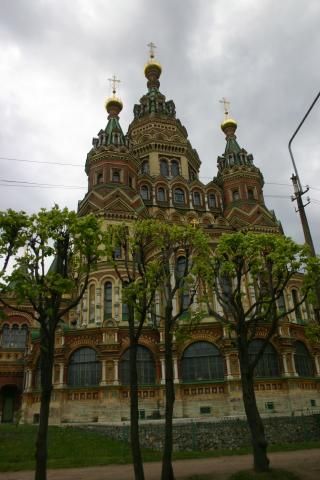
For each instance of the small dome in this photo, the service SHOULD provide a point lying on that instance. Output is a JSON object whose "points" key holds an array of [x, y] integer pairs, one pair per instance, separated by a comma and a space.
{"points": [[152, 66], [229, 124], [113, 105]]}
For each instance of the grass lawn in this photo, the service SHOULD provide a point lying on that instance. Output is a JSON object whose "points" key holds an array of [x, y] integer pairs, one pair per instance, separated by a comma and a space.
{"points": [[74, 447]]}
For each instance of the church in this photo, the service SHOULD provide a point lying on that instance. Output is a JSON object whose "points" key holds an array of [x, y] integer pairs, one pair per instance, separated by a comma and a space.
{"points": [[152, 171]]}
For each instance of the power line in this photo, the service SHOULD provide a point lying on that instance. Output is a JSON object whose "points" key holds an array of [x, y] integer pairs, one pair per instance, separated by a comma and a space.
{"points": [[38, 161]]}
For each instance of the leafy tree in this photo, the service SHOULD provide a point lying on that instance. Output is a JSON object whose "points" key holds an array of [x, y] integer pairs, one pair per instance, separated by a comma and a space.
{"points": [[268, 263], [183, 252], [31, 242], [139, 274]]}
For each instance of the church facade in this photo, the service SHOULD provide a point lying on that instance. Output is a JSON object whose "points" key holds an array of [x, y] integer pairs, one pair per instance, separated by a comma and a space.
{"points": [[153, 172]]}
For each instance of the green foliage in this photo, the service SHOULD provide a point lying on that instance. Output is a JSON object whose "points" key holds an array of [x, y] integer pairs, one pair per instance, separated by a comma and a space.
{"points": [[60, 237]]}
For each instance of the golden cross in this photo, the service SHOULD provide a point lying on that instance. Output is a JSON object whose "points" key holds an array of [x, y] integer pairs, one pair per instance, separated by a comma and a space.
{"points": [[113, 82], [151, 46], [226, 105], [194, 222]]}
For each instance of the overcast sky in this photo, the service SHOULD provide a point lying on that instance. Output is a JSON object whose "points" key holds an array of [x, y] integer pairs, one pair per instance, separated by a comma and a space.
{"points": [[56, 57]]}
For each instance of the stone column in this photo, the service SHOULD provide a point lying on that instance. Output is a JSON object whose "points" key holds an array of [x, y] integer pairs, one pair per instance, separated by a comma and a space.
{"points": [[285, 365], [163, 371], [116, 379], [294, 371], [103, 376], [175, 370], [84, 310], [229, 373]]}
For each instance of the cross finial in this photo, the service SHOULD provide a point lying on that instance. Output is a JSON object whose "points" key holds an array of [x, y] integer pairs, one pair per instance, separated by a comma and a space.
{"points": [[113, 82], [226, 106], [151, 46]]}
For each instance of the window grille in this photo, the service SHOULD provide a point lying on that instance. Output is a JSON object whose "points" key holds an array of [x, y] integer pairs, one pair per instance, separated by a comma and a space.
{"points": [[268, 365], [202, 361], [84, 369], [145, 366]]}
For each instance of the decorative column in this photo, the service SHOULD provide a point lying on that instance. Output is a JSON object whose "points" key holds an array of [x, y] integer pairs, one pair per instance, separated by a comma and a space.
{"points": [[103, 376], [285, 365], [229, 373], [163, 371], [293, 366], [61, 375], [175, 370], [116, 379], [84, 310]]}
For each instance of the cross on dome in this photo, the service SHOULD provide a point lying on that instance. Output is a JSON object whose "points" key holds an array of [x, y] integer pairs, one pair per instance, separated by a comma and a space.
{"points": [[113, 82], [152, 47], [226, 106]]}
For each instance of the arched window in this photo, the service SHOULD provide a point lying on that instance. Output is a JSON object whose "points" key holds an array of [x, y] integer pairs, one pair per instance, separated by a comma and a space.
{"points": [[6, 336], [184, 292], [181, 266], [235, 195], [164, 169], [84, 369], [14, 336], [303, 361], [202, 361], [268, 365], [212, 200], [250, 193], [145, 367], [161, 194], [107, 300], [99, 178], [295, 301], [174, 168], [196, 198], [21, 336], [92, 302], [144, 192], [145, 166], [179, 195], [281, 303], [116, 176]]}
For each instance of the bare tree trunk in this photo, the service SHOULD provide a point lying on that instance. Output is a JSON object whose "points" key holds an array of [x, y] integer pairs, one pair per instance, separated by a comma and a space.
{"points": [[167, 470], [258, 438], [134, 413], [46, 365]]}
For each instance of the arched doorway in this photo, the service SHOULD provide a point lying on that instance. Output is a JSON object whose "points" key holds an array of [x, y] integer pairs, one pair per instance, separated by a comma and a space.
{"points": [[8, 396]]}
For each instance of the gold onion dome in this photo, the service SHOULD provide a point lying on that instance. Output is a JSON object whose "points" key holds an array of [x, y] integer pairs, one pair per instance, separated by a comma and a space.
{"points": [[229, 124], [113, 105], [152, 66]]}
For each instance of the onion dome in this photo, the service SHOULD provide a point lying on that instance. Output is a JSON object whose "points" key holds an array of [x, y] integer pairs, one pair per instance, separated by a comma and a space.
{"points": [[113, 106], [229, 126], [152, 69]]}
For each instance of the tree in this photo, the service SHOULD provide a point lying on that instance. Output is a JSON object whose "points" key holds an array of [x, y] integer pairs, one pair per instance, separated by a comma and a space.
{"points": [[139, 273], [267, 263], [183, 252], [31, 243]]}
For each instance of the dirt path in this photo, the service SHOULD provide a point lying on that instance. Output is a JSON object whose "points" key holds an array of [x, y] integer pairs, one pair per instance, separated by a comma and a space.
{"points": [[305, 463]]}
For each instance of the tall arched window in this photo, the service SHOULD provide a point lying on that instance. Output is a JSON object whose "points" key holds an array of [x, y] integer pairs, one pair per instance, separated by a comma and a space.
{"points": [[144, 192], [174, 168], [184, 292], [297, 307], [164, 169], [145, 166], [303, 360], [235, 195], [6, 336], [161, 194], [92, 302], [281, 303], [145, 367], [107, 300], [212, 200], [116, 176], [202, 361], [179, 195], [125, 311], [196, 198], [84, 369], [21, 338], [268, 365]]}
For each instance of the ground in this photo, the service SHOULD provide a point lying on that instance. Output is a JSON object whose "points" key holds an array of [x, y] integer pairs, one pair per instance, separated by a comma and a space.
{"points": [[304, 463]]}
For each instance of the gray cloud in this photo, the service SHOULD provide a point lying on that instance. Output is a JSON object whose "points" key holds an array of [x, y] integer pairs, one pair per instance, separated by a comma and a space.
{"points": [[55, 58]]}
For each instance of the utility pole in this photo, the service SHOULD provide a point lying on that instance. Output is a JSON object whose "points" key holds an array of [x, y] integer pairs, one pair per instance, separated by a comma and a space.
{"points": [[298, 193]]}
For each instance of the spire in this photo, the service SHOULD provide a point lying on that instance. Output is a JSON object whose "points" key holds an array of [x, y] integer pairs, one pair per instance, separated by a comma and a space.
{"points": [[229, 126], [113, 104], [152, 69]]}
